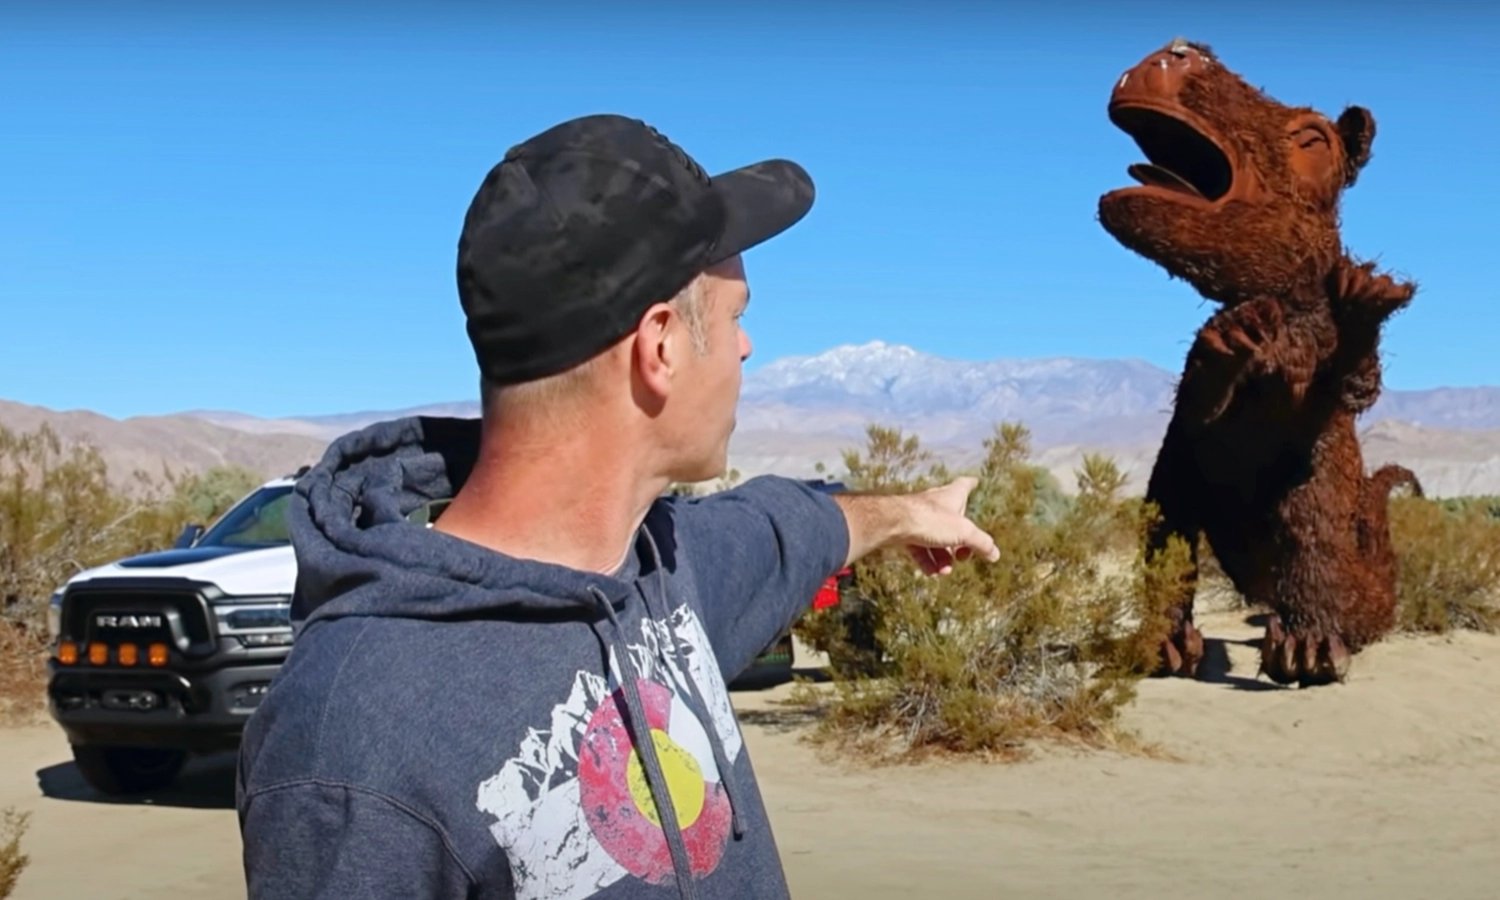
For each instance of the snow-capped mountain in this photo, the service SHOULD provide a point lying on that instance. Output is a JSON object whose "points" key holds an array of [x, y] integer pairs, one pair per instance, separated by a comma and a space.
{"points": [[898, 379], [798, 411], [890, 379]]}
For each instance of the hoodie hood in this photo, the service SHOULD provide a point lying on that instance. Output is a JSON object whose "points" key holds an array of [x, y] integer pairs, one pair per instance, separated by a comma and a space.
{"points": [[359, 553]]}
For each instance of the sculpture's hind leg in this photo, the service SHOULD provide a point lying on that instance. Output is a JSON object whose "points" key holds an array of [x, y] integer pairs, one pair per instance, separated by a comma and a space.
{"points": [[1174, 491], [1336, 593], [1182, 650]]}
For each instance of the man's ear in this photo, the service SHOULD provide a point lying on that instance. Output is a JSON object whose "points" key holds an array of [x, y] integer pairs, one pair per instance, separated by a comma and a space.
{"points": [[653, 355], [1357, 131]]}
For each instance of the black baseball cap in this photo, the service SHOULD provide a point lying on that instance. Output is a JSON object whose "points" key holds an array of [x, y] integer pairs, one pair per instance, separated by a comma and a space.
{"points": [[579, 229]]}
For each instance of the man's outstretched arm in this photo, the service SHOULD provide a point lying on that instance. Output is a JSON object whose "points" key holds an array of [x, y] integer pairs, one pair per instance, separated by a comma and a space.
{"points": [[931, 524], [761, 550]]}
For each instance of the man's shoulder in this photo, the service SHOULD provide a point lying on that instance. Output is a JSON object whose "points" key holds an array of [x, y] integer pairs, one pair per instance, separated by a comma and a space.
{"points": [[770, 493], [357, 699], [354, 662], [754, 521], [287, 726], [338, 669]]}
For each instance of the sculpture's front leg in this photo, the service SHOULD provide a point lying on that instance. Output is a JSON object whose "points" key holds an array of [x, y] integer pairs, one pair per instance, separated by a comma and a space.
{"points": [[1240, 342]]}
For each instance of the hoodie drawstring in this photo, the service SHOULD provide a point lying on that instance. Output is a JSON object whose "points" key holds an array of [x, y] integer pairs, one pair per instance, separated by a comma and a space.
{"points": [[645, 744], [715, 742]]}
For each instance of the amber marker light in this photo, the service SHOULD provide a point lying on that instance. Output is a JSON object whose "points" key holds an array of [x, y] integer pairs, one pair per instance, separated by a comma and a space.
{"points": [[156, 655]]}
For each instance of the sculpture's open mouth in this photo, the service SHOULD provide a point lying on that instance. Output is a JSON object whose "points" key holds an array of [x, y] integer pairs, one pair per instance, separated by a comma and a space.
{"points": [[1181, 157]]}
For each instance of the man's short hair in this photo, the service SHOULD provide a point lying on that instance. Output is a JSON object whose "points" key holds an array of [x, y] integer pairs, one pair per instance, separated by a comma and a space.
{"points": [[691, 303]]}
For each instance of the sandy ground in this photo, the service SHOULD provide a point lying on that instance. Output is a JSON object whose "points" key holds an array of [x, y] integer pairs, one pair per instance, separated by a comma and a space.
{"points": [[1387, 786]]}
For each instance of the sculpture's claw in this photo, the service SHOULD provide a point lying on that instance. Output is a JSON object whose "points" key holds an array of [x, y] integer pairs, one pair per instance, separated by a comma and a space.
{"points": [[1181, 652], [1306, 658]]}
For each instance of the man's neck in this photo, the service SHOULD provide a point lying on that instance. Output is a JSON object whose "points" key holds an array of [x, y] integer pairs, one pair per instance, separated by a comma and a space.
{"points": [[569, 502]]}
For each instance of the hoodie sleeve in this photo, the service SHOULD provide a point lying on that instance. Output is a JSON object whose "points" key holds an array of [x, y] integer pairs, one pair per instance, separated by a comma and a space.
{"points": [[759, 553], [316, 839]]}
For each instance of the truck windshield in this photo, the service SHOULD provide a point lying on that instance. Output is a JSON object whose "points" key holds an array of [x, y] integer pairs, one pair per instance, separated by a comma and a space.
{"points": [[257, 521]]}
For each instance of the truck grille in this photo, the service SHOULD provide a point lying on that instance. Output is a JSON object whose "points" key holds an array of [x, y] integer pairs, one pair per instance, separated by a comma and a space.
{"points": [[141, 612]]}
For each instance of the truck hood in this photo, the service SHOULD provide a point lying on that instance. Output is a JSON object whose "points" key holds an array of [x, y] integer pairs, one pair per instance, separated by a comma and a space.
{"points": [[238, 571]]}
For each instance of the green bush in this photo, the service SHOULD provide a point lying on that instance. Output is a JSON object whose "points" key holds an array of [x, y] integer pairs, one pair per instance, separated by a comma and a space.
{"points": [[1448, 553], [1049, 641]]}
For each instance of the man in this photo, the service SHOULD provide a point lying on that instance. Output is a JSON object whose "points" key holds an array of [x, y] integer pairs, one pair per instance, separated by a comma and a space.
{"points": [[528, 699]]}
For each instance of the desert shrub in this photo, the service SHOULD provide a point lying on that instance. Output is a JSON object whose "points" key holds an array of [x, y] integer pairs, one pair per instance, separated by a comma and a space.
{"points": [[13, 862], [200, 498], [59, 515], [23, 672], [1449, 558], [1048, 641], [1487, 504], [851, 634]]}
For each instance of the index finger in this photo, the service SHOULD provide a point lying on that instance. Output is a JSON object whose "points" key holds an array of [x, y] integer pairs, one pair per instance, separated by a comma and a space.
{"points": [[977, 540]]}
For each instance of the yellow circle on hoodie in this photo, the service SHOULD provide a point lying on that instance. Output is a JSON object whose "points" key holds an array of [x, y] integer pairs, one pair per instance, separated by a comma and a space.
{"points": [[684, 781]]}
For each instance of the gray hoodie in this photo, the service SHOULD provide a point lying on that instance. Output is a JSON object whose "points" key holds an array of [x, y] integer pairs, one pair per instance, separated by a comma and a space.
{"points": [[453, 722]]}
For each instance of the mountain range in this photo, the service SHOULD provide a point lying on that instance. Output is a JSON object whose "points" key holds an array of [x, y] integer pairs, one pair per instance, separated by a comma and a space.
{"points": [[797, 412]]}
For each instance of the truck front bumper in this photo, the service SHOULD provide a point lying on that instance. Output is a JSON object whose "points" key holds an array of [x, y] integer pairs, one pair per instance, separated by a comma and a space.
{"points": [[199, 711]]}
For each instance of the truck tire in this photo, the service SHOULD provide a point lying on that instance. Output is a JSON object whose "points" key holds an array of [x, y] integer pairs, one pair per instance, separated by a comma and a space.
{"points": [[128, 770], [772, 667]]}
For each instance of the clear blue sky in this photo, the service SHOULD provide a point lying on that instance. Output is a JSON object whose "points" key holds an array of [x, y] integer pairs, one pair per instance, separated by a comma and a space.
{"points": [[258, 209]]}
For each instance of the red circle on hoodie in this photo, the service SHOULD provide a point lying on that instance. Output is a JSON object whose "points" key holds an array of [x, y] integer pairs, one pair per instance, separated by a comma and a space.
{"points": [[617, 801]]}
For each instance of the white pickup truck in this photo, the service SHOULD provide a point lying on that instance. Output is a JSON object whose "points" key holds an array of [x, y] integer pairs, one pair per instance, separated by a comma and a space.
{"points": [[165, 654]]}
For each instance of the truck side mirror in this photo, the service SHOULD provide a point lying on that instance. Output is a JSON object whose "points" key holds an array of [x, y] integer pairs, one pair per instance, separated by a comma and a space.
{"points": [[189, 535]]}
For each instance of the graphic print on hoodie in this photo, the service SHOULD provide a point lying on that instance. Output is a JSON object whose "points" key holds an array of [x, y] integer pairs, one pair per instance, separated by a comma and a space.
{"points": [[577, 791], [455, 722]]}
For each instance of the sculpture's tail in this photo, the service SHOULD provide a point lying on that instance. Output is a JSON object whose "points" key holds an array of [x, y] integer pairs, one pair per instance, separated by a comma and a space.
{"points": [[1388, 478], [1374, 512], [1374, 515]]}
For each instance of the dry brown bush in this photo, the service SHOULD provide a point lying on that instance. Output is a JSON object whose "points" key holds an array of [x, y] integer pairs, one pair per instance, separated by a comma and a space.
{"points": [[13, 862], [59, 515], [23, 673]]}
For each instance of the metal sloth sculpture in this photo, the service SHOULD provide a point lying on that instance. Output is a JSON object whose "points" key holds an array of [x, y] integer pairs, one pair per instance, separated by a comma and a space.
{"points": [[1240, 198]]}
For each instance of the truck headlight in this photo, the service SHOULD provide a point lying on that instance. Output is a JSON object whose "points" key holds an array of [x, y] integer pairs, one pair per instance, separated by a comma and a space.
{"points": [[258, 624], [256, 618]]}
